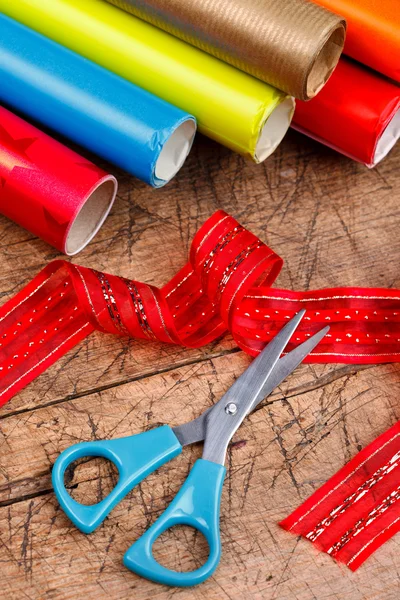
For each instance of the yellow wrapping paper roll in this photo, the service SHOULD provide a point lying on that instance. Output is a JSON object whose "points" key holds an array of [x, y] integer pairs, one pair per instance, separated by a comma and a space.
{"points": [[292, 44], [234, 108]]}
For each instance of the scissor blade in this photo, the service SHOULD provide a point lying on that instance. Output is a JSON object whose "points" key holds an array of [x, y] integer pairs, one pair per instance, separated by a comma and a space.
{"points": [[249, 385], [195, 431], [288, 363], [228, 414]]}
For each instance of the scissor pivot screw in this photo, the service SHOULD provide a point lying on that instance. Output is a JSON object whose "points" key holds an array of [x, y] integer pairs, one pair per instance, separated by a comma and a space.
{"points": [[231, 408]]}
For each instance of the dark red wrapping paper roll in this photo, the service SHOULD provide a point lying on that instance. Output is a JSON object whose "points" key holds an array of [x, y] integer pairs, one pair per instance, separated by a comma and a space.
{"points": [[357, 113], [48, 189], [358, 509], [224, 286]]}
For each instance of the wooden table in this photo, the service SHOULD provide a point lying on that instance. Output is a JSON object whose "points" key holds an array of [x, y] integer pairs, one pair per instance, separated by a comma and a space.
{"points": [[335, 223]]}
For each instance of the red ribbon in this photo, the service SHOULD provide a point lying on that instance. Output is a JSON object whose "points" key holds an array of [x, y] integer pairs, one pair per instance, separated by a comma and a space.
{"points": [[357, 510], [224, 286]]}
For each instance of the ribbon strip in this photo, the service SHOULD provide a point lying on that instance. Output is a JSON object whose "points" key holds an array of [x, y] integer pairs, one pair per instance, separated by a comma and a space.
{"points": [[357, 510], [224, 286]]}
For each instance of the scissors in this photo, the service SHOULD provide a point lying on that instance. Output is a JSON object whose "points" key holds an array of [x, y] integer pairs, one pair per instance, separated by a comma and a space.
{"points": [[197, 504]]}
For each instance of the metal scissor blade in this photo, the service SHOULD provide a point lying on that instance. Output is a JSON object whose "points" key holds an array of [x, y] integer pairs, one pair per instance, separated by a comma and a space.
{"points": [[247, 387], [288, 363], [195, 430], [228, 414]]}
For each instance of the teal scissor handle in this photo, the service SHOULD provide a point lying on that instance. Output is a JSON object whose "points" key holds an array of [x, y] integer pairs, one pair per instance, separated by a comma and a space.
{"points": [[197, 504], [135, 457]]}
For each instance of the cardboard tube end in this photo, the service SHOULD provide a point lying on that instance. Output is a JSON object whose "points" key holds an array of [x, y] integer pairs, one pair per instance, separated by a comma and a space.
{"points": [[91, 216], [274, 129], [387, 140], [325, 61], [175, 151]]}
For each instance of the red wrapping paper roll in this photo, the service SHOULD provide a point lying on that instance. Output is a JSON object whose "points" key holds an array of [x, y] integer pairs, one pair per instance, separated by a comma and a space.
{"points": [[373, 32], [357, 113], [48, 189]]}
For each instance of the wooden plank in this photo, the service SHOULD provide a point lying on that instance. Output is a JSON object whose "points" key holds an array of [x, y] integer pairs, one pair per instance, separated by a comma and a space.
{"points": [[284, 451]]}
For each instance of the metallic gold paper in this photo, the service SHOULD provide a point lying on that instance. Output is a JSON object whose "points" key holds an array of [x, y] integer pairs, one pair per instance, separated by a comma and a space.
{"points": [[238, 110], [292, 44]]}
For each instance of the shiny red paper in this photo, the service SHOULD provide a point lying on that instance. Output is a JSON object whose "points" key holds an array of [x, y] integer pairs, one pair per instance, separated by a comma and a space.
{"points": [[48, 189], [226, 285], [358, 509], [356, 113]]}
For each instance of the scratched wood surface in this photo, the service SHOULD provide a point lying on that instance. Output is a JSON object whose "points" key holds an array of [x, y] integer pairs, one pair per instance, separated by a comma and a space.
{"points": [[335, 223]]}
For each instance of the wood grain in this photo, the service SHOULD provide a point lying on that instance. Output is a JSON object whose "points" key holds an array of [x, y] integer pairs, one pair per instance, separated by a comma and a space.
{"points": [[335, 223]]}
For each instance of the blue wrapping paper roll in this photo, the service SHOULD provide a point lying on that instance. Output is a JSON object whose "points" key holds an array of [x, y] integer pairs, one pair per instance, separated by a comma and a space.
{"points": [[102, 112]]}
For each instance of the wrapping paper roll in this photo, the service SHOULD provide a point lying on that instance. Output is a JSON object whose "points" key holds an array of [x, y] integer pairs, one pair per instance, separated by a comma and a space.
{"points": [[357, 114], [292, 44], [48, 189], [373, 36], [231, 107], [140, 133]]}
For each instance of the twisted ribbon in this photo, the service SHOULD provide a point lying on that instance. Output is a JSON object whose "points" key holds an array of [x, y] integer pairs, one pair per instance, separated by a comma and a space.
{"points": [[224, 286]]}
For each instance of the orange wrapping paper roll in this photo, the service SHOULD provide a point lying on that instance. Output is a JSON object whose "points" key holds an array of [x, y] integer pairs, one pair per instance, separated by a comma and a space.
{"points": [[373, 35]]}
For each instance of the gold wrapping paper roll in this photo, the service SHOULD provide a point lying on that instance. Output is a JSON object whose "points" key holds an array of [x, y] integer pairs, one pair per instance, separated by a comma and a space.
{"points": [[235, 109], [293, 45]]}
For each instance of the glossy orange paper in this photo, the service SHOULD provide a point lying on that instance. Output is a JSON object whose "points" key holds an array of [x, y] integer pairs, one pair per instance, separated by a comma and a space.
{"points": [[373, 32]]}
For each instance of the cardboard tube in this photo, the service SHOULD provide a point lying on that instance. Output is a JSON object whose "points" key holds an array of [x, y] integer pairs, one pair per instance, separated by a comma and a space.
{"points": [[292, 44], [230, 106], [48, 189]]}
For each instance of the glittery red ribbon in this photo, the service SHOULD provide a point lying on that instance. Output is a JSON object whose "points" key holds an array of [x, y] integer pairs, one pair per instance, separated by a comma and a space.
{"points": [[357, 510], [224, 286]]}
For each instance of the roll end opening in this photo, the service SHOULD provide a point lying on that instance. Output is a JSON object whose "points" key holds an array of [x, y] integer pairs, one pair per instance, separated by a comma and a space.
{"points": [[91, 216], [175, 151], [387, 140], [274, 129], [325, 61]]}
